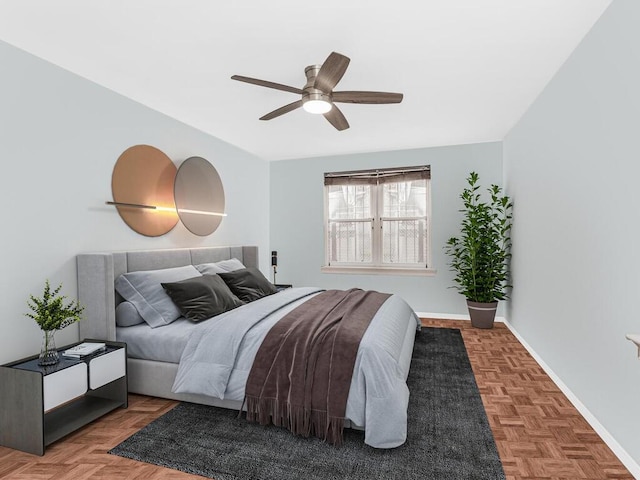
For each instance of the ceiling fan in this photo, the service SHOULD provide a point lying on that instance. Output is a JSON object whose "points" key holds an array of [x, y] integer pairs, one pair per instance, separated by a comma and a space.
{"points": [[318, 95]]}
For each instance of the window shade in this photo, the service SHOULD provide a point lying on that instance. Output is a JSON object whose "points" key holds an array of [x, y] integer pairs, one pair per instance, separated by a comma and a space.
{"points": [[382, 175]]}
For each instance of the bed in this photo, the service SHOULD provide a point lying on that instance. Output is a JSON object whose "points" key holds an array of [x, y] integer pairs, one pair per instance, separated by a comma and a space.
{"points": [[378, 396]]}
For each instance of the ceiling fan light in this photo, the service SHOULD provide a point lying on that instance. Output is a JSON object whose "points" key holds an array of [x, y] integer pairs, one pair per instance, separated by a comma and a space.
{"points": [[317, 106]]}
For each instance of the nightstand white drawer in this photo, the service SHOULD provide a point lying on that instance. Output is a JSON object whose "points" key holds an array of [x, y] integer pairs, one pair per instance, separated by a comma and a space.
{"points": [[64, 385], [107, 368]]}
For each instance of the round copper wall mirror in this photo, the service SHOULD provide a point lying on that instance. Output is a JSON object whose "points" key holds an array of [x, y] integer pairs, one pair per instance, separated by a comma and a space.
{"points": [[144, 177], [199, 196]]}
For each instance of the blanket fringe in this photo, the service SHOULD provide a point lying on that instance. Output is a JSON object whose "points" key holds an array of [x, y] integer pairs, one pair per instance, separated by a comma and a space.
{"points": [[298, 419]]}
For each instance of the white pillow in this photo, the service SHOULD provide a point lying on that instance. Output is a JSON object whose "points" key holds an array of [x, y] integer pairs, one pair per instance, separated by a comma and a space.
{"points": [[144, 290], [222, 266]]}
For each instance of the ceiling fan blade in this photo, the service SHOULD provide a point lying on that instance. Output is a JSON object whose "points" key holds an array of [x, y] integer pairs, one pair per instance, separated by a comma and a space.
{"points": [[282, 110], [366, 97], [331, 72], [336, 118], [264, 83]]}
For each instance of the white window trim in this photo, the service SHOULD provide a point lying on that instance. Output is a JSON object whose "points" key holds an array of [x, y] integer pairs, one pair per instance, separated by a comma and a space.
{"points": [[377, 268], [371, 270]]}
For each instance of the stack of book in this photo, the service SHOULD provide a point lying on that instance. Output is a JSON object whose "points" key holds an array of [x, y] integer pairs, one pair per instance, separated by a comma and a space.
{"points": [[84, 349]]}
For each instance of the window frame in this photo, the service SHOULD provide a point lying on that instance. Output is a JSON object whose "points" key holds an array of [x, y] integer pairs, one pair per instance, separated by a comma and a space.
{"points": [[377, 238]]}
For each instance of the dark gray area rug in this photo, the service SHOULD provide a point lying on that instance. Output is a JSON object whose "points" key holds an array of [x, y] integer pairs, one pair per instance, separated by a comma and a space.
{"points": [[448, 434]]}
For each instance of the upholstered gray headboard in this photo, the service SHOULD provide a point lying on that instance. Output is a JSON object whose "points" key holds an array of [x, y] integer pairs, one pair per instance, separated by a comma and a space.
{"points": [[97, 273]]}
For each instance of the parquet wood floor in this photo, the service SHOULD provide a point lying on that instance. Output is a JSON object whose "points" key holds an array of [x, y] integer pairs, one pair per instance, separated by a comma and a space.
{"points": [[539, 434]]}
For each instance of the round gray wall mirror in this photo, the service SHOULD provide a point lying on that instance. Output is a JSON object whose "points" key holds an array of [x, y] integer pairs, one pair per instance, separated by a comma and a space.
{"points": [[199, 196]]}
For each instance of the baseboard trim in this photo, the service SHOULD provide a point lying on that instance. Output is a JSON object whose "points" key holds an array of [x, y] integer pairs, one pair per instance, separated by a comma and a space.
{"points": [[607, 438], [450, 316]]}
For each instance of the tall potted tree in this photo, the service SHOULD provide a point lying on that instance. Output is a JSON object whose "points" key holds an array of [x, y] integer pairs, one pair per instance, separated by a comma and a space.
{"points": [[480, 255]]}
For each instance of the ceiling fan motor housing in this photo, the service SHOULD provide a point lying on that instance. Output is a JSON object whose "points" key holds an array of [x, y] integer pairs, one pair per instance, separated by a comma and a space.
{"points": [[309, 91]]}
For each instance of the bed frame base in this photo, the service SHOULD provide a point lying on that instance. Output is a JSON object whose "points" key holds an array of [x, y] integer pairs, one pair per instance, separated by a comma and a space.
{"points": [[155, 379]]}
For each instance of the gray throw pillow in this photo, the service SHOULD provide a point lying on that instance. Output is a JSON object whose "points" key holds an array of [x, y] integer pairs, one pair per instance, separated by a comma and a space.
{"points": [[127, 315], [248, 284], [202, 297], [144, 290], [220, 267]]}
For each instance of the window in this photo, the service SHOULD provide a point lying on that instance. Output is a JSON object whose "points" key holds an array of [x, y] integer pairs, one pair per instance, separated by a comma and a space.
{"points": [[378, 218]]}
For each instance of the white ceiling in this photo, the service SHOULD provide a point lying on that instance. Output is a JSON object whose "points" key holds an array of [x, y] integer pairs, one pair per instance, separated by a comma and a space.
{"points": [[468, 69]]}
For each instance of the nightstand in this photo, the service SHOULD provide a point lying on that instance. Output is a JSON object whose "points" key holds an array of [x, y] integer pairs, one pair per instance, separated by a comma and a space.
{"points": [[39, 405]]}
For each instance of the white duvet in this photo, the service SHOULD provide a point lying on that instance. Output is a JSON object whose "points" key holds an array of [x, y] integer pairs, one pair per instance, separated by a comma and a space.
{"points": [[219, 353]]}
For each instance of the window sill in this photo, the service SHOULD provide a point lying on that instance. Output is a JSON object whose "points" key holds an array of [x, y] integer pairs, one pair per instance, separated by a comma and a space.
{"points": [[356, 270]]}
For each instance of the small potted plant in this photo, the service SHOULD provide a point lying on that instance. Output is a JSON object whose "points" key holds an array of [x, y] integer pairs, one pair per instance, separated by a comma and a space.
{"points": [[51, 313], [480, 255]]}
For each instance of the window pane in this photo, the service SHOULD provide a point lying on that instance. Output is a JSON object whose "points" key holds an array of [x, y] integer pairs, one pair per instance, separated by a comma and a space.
{"points": [[349, 201], [349, 242], [379, 224], [405, 199], [404, 241]]}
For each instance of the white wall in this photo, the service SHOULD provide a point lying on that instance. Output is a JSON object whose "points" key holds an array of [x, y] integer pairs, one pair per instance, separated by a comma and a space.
{"points": [[572, 165], [60, 136], [297, 218]]}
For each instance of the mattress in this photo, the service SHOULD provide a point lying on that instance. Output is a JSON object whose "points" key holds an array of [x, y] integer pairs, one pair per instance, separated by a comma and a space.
{"points": [[166, 344]]}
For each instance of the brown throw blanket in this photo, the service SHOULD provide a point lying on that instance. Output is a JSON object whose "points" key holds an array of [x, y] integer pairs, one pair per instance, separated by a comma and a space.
{"points": [[301, 375]]}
